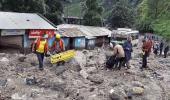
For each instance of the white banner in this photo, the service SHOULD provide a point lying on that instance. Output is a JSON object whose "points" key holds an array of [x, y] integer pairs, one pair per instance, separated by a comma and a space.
{"points": [[12, 32]]}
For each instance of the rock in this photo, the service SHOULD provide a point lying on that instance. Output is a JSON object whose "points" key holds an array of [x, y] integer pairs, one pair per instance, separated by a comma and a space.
{"points": [[21, 59], [96, 79], [114, 96], [60, 70], [17, 96], [31, 81], [84, 74], [137, 84], [137, 91], [3, 82], [57, 84], [4, 59], [91, 70]]}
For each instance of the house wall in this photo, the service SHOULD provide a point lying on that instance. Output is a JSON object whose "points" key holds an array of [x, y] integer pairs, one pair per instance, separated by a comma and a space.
{"points": [[102, 40], [79, 42], [12, 41], [90, 44], [66, 42]]}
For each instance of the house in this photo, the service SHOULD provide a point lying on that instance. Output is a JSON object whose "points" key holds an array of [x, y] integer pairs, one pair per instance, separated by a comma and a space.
{"points": [[73, 38], [121, 34], [20, 29], [99, 35]]}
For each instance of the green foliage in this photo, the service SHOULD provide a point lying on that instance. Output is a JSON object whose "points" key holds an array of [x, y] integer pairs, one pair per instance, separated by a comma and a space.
{"points": [[122, 15], [52, 9], [93, 13], [154, 14]]}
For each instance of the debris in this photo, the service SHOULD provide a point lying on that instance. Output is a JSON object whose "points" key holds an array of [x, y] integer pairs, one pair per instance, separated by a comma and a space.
{"points": [[3, 82], [17, 96], [96, 79], [137, 91], [21, 59], [4, 59], [60, 69], [31, 81], [83, 73], [137, 84]]}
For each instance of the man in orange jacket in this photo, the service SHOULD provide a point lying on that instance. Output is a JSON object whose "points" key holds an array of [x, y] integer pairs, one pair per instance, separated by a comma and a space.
{"points": [[58, 45], [41, 47]]}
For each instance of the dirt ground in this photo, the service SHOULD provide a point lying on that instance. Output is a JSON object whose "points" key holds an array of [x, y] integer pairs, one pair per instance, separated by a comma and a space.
{"points": [[83, 77]]}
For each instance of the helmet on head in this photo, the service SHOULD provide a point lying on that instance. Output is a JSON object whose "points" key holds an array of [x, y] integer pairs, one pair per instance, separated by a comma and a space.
{"points": [[58, 36]]}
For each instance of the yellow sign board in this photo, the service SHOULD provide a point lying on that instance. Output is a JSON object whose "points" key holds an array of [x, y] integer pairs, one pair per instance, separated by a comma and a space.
{"points": [[62, 56]]}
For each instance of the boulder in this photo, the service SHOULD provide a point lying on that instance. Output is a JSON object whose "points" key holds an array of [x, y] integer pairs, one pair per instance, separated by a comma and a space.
{"points": [[137, 91], [96, 79], [3, 83], [60, 69], [31, 81], [91, 70], [4, 59], [137, 84], [17, 96], [83, 73]]}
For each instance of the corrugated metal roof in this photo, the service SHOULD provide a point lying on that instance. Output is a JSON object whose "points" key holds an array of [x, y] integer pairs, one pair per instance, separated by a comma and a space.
{"points": [[71, 32], [88, 30], [12, 20]]}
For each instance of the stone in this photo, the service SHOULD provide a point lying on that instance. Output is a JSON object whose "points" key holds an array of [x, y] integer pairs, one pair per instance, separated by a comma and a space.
{"points": [[4, 59], [91, 70], [84, 74], [137, 91], [17, 96], [21, 59], [137, 84], [114, 96], [31, 81], [3, 82], [96, 79], [60, 69]]}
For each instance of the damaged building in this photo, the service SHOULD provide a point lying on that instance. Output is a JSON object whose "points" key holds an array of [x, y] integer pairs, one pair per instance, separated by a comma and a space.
{"points": [[18, 30], [85, 36]]}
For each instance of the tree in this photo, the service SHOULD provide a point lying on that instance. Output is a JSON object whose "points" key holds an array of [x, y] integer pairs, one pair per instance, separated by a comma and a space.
{"points": [[52, 9], [122, 15], [93, 13]]}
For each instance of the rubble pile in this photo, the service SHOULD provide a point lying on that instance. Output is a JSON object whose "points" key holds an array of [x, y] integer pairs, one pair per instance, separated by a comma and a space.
{"points": [[83, 77]]}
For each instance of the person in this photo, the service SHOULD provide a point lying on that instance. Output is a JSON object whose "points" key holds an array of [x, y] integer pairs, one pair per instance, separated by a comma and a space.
{"points": [[51, 40], [166, 51], [58, 44], [119, 54], [146, 47], [150, 45], [155, 48], [161, 47], [41, 47], [127, 46]]}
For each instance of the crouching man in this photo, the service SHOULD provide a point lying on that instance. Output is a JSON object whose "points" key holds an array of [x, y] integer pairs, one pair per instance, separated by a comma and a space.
{"points": [[119, 53]]}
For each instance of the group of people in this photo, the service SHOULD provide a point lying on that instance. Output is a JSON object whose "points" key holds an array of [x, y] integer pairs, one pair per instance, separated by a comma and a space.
{"points": [[122, 53], [159, 47], [46, 45]]}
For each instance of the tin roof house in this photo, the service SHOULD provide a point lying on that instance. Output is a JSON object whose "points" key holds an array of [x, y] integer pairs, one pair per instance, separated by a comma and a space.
{"points": [[94, 36], [19, 29]]}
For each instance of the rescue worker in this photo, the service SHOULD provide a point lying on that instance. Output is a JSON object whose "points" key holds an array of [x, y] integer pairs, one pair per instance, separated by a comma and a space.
{"points": [[58, 44], [58, 47], [127, 46], [41, 47], [119, 54]]}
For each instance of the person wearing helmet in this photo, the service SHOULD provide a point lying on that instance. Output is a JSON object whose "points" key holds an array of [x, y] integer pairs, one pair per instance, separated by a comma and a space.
{"points": [[58, 44], [40, 48]]}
